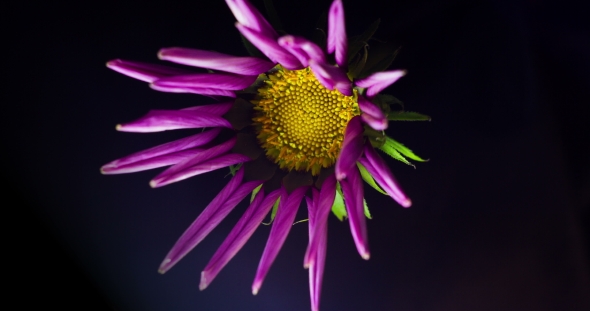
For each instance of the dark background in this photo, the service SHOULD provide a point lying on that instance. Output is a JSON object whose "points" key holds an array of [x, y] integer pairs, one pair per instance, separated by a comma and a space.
{"points": [[500, 214]]}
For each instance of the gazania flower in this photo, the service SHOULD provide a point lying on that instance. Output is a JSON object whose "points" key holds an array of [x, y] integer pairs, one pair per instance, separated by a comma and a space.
{"points": [[300, 124]]}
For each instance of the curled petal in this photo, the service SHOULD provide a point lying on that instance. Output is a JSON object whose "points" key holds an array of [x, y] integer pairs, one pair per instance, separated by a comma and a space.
{"points": [[331, 77], [164, 149], [144, 71], [324, 205], [337, 33], [241, 232], [211, 216], [381, 173], [352, 188], [375, 123], [280, 229], [270, 48], [352, 148], [251, 66], [193, 90], [164, 120], [303, 49], [223, 81], [247, 15], [370, 108], [378, 81]]}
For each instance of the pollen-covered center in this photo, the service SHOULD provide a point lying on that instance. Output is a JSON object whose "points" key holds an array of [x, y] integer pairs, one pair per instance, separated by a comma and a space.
{"points": [[299, 122]]}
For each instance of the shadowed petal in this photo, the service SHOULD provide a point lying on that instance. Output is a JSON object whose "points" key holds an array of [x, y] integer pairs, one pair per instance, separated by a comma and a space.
{"points": [[324, 205], [382, 175], [239, 235], [303, 49], [167, 148], [164, 120], [331, 77], [280, 229], [211, 216], [270, 48], [223, 81], [214, 109], [194, 90], [144, 71], [217, 61], [378, 81], [337, 33], [247, 15], [352, 148], [316, 269], [352, 188]]}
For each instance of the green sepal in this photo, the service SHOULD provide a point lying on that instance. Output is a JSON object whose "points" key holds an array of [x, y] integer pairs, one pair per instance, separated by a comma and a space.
{"points": [[254, 192], [355, 67], [252, 50], [366, 209], [407, 116], [392, 145], [338, 207], [368, 178], [273, 212], [356, 43], [381, 55], [233, 169], [273, 16]]}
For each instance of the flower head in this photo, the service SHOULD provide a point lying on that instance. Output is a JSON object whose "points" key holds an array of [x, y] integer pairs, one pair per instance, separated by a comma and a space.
{"points": [[303, 123]]}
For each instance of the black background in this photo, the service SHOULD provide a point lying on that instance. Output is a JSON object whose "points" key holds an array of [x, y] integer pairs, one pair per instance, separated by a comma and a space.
{"points": [[499, 220]]}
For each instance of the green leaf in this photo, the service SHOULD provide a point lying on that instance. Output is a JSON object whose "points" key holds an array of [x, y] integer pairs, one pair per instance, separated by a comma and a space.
{"points": [[407, 116], [273, 213], [366, 208], [252, 50], [233, 169], [381, 54], [273, 16], [338, 207], [392, 152], [254, 192], [368, 178], [357, 66], [390, 143]]}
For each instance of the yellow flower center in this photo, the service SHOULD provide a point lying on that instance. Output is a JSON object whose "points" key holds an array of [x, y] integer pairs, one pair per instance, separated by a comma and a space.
{"points": [[299, 122]]}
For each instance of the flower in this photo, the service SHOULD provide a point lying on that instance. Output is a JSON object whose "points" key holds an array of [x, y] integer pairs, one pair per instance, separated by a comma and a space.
{"points": [[301, 126]]}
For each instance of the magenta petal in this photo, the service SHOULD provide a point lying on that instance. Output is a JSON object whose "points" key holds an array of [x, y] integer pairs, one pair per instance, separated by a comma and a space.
{"points": [[213, 109], [372, 115], [382, 175], [211, 216], [198, 159], [303, 49], [352, 188], [251, 66], [167, 148], [337, 33], [280, 229], [270, 48], [331, 77], [316, 270], [247, 15], [378, 81], [352, 148], [239, 235], [376, 124], [223, 81], [194, 90], [164, 120], [151, 163], [324, 205], [144, 71]]}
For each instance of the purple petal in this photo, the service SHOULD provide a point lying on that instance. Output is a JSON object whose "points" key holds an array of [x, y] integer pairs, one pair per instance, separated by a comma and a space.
{"points": [[251, 66], [337, 33], [247, 15], [316, 270], [303, 49], [352, 188], [382, 175], [378, 81], [223, 81], [194, 90], [144, 71], [206, 155], [213, 109], [324, 205], [167, 148], [241, 232], [352, 148], [164, 120], [270, 48], [331, 77], [376, 124], [211, 216], [280, 229], [372, 115], [151, 163]]}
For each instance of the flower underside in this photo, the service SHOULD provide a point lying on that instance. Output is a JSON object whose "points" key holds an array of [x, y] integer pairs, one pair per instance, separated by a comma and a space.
{"points": [[299, 122]]}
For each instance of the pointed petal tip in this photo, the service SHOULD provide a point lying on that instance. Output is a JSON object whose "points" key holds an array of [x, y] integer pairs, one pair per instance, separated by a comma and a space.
{"points": [[366, 256], [119, 127], [203, 283], [340, 176], [154, 184], [255, 290], [407, 203]]}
